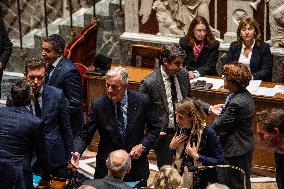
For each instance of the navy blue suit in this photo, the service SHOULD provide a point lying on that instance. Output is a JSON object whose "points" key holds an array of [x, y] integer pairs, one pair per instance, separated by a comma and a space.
{"points": [[65, 76], [260, 63], [102, 117], [58, 133], [20, 134]]}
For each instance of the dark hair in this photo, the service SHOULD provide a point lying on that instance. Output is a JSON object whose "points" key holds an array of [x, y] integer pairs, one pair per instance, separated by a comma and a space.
{"points": [[21, 93], [238, 74], [57, 41], [33, 64], [252, 22], [171, 51], [272, 118], [190, 38]]}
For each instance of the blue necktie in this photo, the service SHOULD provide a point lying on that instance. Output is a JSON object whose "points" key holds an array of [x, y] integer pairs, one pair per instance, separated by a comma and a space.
{"points": [[226, 102], [120, 119], [50, 67]]}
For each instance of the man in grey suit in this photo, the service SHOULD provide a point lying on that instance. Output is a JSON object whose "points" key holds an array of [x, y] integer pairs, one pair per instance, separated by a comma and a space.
{"points": [[50, 105], [118, 164], [165, 86]]}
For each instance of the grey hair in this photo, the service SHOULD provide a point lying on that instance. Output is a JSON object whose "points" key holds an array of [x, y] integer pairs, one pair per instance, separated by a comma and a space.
{"points": [[217, 186], [118, 70], [118, 169]]}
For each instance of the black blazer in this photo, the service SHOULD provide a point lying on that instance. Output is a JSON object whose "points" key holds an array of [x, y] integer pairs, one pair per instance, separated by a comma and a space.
{"points": [[235, 125], [20, 135], [206, 62], [260, 63], [102, 118], [65, 76]]}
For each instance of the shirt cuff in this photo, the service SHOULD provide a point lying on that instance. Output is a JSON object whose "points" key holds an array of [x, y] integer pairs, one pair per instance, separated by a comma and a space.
{"points": [[196, 74]]}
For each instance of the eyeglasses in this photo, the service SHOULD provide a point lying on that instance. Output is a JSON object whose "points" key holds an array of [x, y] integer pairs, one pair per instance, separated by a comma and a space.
{"points": [[201, 31]]}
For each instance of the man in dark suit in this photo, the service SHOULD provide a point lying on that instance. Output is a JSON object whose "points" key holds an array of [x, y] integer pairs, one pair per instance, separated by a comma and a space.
{"points": [[49, 104], [118, 165], [62, 73], [120, 117], [5, 48], [20, 135], [166, 86]]}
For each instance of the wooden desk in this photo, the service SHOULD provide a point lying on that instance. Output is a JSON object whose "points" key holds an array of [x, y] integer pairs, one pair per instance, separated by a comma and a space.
{"points": [[263, 160]]}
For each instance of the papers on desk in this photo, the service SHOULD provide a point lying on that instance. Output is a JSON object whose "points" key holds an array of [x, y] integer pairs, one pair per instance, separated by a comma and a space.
{"points": [[254, 86]]}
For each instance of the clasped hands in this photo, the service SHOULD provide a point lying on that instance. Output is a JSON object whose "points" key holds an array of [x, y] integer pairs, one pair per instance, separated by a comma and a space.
{"points": [[180, 140]]}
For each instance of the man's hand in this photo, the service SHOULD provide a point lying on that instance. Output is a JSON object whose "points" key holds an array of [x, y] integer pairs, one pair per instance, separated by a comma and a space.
{"points": [[75, 157], [136, 151], [191, 75], [178, 141], [216, 109]]}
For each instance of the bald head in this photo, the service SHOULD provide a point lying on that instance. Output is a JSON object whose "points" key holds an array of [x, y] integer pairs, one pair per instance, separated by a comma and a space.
{"points": [[118, 162]]}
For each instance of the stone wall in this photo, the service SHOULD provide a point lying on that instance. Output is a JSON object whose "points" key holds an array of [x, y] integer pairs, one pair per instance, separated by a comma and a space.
{"points": [[32, 13]]}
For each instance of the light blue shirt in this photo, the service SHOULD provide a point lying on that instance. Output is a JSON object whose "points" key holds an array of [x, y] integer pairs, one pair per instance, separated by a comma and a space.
{"points": [[124, 106]]}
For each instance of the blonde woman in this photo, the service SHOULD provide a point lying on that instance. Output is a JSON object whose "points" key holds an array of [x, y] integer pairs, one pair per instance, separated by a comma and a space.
{"points": [[167, 178], [195, 144]]}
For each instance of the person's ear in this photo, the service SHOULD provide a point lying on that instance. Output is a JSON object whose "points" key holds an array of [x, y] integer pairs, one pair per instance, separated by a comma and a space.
{"points": [[276, 131]]}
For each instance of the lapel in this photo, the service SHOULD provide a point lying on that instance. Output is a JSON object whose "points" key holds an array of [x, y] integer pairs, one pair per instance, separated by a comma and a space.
{"points": [[182, 85], [131, 111], [46, 99], [111, 117], [55, 72], [161, 87], [254, 56]]}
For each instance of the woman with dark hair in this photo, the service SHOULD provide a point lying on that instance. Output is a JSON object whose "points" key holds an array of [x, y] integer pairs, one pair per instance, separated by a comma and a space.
{"points": [[250, 50], [201, 48], [195, 144], [234, 125]]}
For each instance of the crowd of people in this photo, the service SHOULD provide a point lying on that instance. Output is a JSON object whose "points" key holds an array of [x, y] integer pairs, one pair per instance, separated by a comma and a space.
{"points": [[43, 132]]}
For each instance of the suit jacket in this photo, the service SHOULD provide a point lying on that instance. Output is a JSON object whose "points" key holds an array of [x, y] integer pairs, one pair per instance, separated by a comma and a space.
{"points": [[65, 76], [20, 134], [234, 125], [58, 133], [153, 85], [108, 182], [102, 117], [260, 63], [206, 61], [5, 44]]}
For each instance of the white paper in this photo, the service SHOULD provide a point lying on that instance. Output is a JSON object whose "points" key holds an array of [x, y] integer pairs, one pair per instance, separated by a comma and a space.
{"points": [[253, 85], [265, 91], [279, 89]]}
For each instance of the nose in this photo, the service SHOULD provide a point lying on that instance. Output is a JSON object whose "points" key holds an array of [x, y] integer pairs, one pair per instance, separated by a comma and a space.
{"points": [[109, 89]]}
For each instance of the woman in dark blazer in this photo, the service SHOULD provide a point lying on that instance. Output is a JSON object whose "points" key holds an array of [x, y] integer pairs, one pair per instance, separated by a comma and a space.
{"points": [[195, 144], [250, 50], [234, 125], [201, 48]]}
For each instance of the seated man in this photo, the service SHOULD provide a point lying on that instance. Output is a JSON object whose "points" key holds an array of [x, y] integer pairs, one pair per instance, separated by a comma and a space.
{"points": [[118, 164]]}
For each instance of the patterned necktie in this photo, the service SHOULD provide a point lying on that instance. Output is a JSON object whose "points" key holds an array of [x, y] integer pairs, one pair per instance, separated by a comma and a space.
{"points": [[38, 110], [120, 119], [174, 96]]}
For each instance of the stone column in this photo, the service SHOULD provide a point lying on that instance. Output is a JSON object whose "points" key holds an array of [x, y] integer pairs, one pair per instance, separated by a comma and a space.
{"points": [[131, 16]]}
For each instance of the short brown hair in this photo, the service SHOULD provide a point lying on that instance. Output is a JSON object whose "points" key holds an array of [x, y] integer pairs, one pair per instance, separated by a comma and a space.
{"points": [[34, 63], [272, 118], [238, 74], [252, 22]]}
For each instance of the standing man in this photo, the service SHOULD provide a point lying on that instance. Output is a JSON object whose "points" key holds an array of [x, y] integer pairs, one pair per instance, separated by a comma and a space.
{"points": [[63, 74], [121, 117], [20, 135], [270, 129], [50, 105], [166, 86], [5, 48]]}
